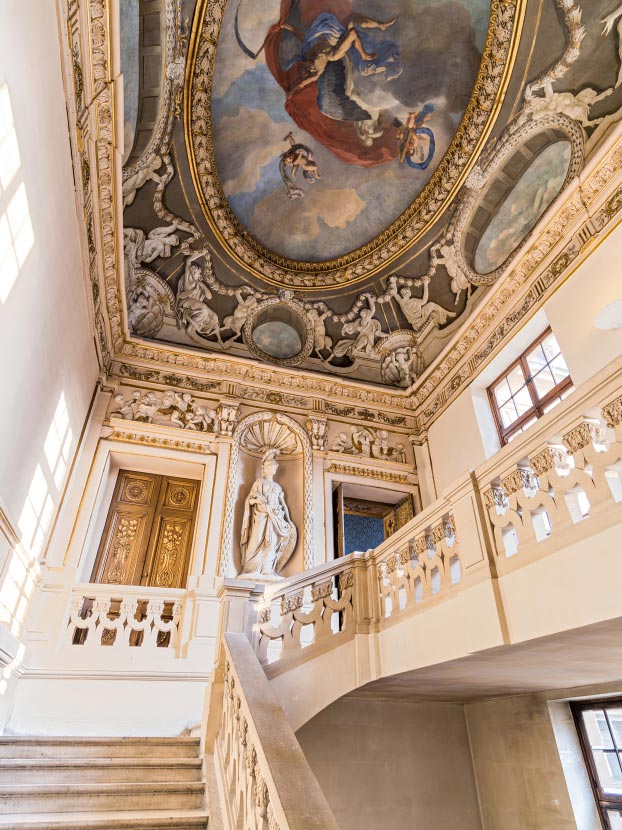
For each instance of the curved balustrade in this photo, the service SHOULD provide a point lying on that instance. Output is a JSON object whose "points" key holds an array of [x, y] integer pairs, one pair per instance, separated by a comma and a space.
{"points": [[125, 617], [562, 476]]}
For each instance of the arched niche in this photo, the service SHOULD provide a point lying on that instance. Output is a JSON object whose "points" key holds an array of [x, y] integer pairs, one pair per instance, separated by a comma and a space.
{"points": [[253, 435]]}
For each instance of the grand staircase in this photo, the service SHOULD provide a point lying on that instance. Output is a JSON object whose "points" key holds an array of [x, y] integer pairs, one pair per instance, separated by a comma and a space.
{"points": [[101, 784]]}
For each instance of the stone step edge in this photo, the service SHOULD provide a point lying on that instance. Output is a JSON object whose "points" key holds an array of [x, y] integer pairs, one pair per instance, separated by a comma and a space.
{"points": [[123, 761], [103, 788], [114, 819], [46, 740]]}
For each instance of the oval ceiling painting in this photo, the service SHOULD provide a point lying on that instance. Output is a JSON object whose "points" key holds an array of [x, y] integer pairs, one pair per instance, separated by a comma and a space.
{"points": [[329, 117], [519, 211]]}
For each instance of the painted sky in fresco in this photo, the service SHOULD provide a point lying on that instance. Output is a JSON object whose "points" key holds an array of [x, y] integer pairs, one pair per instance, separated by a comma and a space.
{"points": [[523, 206], [349, 121]]}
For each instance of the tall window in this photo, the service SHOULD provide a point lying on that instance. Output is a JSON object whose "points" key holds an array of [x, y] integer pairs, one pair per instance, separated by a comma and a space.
{"points": [[600, 729], [536, 381]]}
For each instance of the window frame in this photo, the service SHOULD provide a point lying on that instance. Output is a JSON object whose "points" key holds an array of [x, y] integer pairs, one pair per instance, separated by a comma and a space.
{"points": [[538, 405], [604, 802]]}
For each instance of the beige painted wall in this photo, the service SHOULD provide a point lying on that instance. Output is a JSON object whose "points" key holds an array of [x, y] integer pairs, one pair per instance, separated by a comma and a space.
{"points": [[46, 346], [393, 765], [517, 766]]}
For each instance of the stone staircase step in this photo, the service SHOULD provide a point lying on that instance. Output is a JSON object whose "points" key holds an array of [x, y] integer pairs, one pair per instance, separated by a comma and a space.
{"points": [[38, 798], [120, 770], [52, 747], [113, 820]]}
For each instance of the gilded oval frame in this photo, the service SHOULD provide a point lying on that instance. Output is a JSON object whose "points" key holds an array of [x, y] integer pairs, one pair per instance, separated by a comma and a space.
{"points": [[498, 56]]}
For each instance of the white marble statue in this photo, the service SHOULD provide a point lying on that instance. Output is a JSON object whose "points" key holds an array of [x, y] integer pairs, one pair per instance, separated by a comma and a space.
{"points": [[191, 302], [419, 311], [268, 535]]}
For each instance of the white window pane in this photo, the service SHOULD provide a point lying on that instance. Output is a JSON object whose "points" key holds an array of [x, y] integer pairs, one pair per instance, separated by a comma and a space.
{"points": [[522, 400], [597, 730], [615, 719], [559, 368], [544, 382], [536, 360], [508, 413], [609, 771], [615, 819], [502, 392], [550, 346], [516, 379]]}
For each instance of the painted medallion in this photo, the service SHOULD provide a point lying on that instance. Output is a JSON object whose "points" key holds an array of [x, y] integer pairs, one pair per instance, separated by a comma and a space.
{"points": [[330, 116]]}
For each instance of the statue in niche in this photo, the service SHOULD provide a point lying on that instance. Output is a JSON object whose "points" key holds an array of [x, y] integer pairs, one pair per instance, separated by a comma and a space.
{"points": [[268, 536], [191, 306]]}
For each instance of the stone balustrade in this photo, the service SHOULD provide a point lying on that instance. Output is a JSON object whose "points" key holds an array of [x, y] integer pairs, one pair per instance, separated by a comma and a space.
{"points": [[263, 778], [125, 618], [554, 484], [566, 471]]}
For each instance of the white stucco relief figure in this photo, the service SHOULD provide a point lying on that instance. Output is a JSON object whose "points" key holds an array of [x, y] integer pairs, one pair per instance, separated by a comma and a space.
{"points": [[446, 255], [141, 176], [172, 409], [419, 311], [402, 366], [191, 306], [159, 243], [321, 341], [246, 305], [369, 443], [268, 536], [366, 329]]}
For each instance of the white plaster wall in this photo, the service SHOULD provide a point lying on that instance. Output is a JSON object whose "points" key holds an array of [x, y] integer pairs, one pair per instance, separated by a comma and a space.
{"points": [[572, 309], [46, 346], [92, 706], [392, 765], [520, 779]]}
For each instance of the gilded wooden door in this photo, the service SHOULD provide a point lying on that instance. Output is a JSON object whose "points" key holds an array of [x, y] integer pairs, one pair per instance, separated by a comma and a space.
{"points": [[148, 532]]}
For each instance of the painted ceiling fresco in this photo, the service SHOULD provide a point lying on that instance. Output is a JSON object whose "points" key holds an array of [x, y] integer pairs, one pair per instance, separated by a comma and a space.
{"points": [[330, 116], [335, 184]]}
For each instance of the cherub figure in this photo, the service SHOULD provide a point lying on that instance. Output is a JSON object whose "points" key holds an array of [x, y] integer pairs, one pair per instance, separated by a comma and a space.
{"points": [[297, 157], [446, 255], [133, 183]]}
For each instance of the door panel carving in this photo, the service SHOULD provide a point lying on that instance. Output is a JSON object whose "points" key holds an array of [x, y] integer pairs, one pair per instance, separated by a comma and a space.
{"points": [[148, 532]]}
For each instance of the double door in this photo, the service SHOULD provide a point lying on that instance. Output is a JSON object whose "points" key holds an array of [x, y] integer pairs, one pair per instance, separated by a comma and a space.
{"points": [[148, 533]]}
